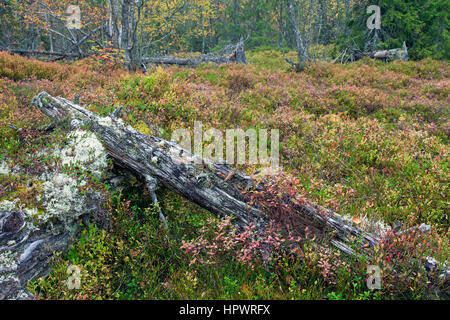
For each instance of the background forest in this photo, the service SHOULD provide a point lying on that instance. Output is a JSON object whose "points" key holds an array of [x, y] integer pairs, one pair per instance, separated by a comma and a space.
{"points": [[145, 28]]}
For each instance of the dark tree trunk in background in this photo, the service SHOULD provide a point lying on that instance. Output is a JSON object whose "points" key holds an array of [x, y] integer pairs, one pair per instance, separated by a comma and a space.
{"points": [[125, 37]]}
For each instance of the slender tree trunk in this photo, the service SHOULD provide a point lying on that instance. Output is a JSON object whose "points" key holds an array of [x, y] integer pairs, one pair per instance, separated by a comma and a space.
{"points": [[235, 11], [235, 19], [301, 50], [280, 24], [347, 13], [49, 25], [203, 29], [125, 27]]}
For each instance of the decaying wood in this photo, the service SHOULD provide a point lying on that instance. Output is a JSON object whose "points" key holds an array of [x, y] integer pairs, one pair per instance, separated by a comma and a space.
{"points": [[213, 185], [42, 53], [393, 54], [355, 54], [237, 55], [151, 186], [38, 247], [164, 161]]}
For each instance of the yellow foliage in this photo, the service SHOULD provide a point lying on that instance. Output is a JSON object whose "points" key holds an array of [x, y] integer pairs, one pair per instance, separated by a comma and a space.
{"points": [[142, 127]]}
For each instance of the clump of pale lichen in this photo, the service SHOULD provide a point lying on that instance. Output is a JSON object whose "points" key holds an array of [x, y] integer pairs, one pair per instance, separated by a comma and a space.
{"points": [[59, 196], [8, 205], [62, 197], [52, 201], [4, 168], [85, 151]]}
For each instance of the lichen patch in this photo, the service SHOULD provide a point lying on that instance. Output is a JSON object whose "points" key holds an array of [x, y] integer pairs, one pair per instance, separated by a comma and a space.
{"points": [[61, 197], [4, 168], [84, 150], [8, 205]]}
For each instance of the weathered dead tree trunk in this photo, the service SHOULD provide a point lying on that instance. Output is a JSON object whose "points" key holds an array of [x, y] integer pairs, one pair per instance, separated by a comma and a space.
{"points": [[237, 55], [162, 163], [388, 55], [213, 185], [25, 250], [34, 249]]}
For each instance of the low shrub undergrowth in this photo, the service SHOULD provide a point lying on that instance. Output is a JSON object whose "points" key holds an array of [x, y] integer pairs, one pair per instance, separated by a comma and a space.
{"points": [[368, 139]]}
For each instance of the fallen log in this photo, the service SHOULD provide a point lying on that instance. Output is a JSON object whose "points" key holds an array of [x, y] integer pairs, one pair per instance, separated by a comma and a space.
{"points": [[214, 186], [390, 55], [42, 53], [355, 54], [25, 252], [237, 55], [25, 249]]}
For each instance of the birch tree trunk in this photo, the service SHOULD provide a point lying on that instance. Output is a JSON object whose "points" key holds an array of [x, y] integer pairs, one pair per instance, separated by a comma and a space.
{"points": [[302, 53]]}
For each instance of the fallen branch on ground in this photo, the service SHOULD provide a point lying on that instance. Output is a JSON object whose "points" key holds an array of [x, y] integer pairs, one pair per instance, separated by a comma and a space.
{"points": [[214, 186], [237, 55], [355, 54]]}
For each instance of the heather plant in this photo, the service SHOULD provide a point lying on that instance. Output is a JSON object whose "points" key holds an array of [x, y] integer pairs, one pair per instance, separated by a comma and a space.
{"points": [[217, 244], [239, 82], [403, 257], [18, 68]]}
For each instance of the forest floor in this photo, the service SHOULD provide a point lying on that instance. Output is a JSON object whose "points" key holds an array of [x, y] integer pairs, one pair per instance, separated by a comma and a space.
{"points": [[369, 140]]}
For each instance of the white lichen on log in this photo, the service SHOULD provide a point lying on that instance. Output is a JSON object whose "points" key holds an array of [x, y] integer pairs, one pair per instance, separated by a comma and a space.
{"points": [[28, 236], [4, 168]]}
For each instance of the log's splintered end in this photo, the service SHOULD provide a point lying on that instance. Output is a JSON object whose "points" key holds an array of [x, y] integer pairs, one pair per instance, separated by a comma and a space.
{"points": [[48, 106]]}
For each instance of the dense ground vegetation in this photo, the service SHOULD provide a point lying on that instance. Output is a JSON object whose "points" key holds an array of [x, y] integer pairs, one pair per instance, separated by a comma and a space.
{"points": [[369, 140]]}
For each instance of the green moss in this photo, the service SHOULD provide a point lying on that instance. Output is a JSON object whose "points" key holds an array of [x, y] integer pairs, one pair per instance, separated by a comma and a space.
{"points": [[27, 196], [142, 127]]}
